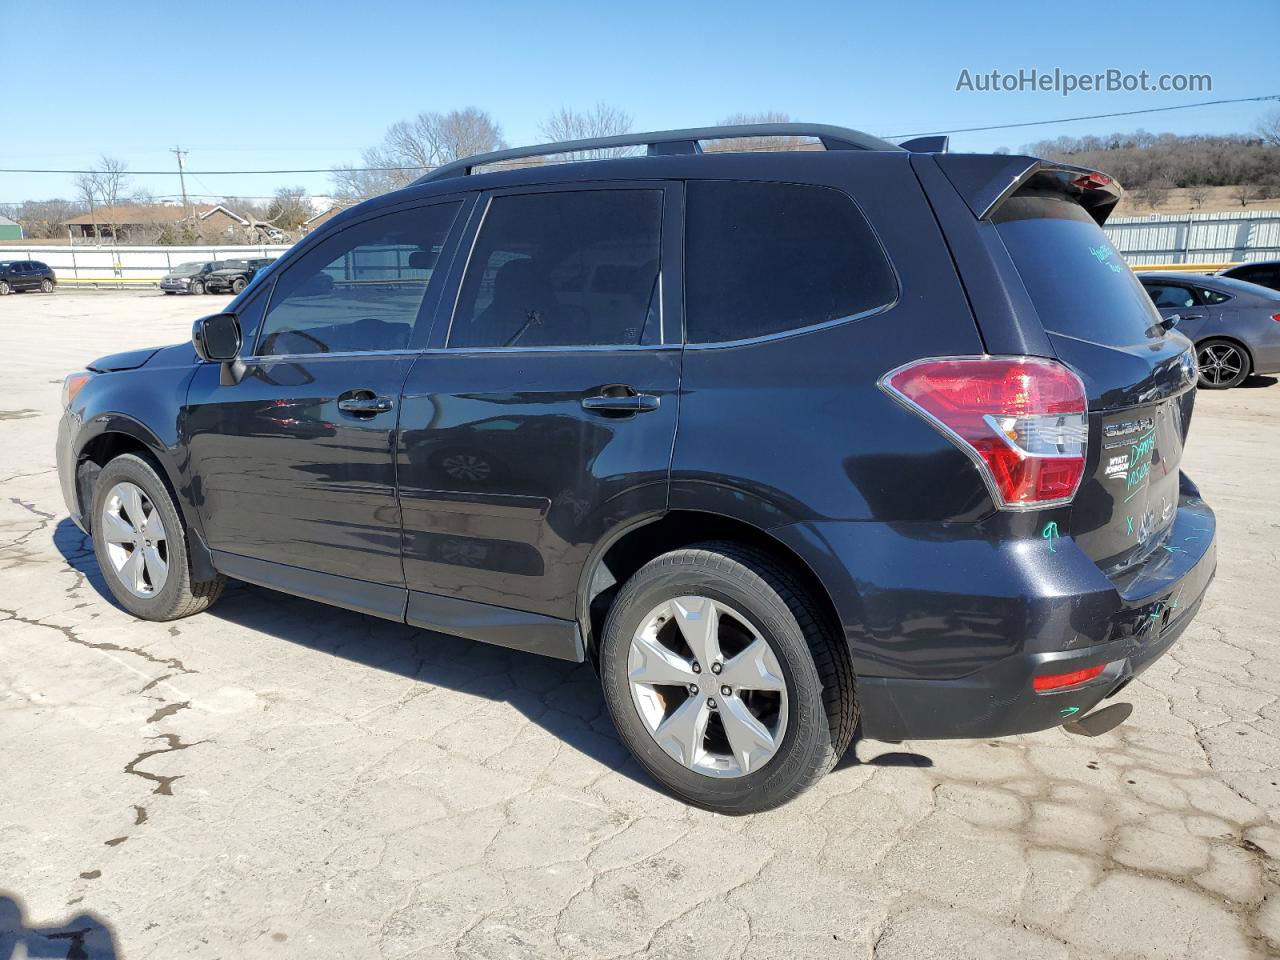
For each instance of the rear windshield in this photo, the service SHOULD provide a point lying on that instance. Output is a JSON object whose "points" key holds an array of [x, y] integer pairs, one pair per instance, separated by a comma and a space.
{"points": [[1078, 281]]}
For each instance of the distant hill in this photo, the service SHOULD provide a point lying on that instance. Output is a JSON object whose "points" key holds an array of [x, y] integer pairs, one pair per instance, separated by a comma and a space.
{"points": [[1173, 173]]}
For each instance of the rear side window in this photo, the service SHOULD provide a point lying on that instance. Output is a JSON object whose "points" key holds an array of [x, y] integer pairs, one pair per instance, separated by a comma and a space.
{"points": [[1079, 283], [765, 258], [1212, 296]]}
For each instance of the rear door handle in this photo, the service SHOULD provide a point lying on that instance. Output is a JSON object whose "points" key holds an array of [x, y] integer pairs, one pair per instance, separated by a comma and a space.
{"points": [[364, 402], [620, 399]]}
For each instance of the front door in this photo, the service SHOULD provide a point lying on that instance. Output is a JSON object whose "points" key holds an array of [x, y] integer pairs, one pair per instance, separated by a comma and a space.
{"points": [[543, 416], [295, 461]]}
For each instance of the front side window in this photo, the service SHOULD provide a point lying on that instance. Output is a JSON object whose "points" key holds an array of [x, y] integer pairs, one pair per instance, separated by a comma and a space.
{"points": [[566, 269], [1169, 296], [765, 258], [360, 289]]}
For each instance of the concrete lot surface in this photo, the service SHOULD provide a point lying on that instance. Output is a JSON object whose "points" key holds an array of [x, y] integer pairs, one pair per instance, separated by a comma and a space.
{"points": [[276, 778]]}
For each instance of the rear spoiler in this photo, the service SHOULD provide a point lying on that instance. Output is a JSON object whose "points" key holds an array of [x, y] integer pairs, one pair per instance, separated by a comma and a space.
{"points": [[986, 181]]}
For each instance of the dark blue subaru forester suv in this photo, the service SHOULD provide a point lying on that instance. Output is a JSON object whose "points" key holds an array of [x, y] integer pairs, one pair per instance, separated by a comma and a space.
{"points": [[781, 441]]}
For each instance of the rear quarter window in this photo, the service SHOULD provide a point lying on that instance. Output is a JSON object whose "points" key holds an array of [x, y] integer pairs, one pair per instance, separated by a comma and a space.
{"points": [[767, 258], [1079, 283]]}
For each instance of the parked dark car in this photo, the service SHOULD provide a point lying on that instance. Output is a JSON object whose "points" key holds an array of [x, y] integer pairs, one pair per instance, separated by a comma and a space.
{"points": [[1265, 273], [19, 275], [232, 276], [1234, 324], [779, 442], [189, 277]]}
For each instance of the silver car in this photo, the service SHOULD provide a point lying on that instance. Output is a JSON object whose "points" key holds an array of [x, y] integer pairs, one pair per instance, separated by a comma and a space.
{"points": [[1235, 325]]}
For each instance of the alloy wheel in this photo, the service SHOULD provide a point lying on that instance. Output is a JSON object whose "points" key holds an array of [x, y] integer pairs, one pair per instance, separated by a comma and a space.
{"points": [[136, 541], [1220, 363], [708, 687]]}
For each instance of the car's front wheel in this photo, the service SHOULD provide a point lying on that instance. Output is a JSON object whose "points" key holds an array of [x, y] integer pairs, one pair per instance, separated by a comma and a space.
{"points": [[238, 284], [197, 287], [46, 285], [1223, 364], [5, 289], [141, 543], [724, 678]]}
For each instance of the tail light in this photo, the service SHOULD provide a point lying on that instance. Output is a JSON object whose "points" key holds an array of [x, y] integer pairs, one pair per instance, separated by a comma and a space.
{"points": [[1022, 420], [1276, 317]]}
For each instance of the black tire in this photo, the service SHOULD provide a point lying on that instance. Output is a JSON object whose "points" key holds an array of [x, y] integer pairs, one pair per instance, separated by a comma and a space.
{"points": [[46, 285], [197, 287], [815, 662], [1234, 357], [5, 288], [179, 597], [238, 284]]}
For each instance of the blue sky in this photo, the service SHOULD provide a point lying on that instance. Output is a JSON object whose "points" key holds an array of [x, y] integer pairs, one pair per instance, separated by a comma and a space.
{"points": [[294, 85]]}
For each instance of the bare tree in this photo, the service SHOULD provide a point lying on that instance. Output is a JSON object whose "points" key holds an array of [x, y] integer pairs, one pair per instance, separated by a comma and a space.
{"points": [[1198, 193], [753, 144], [41, 219], [289, 208], [87, 189], [112, 179], [1244, 191], [411, 148], [1269, 128], [601, 120]]}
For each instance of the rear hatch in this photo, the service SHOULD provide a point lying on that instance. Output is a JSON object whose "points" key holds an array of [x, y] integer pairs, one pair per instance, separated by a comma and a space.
{"points": [[1139, 377]]}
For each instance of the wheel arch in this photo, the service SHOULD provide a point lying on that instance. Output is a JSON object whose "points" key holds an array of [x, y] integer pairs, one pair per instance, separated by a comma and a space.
{"points": [[117, 434], [629, 548]]}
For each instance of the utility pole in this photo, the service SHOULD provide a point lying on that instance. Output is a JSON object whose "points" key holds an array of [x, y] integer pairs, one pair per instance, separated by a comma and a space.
{"points": [[186, 206]]}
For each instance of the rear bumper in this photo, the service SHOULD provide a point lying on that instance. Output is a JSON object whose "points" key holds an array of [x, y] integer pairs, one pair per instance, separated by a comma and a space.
{"points": [[949, 627]]}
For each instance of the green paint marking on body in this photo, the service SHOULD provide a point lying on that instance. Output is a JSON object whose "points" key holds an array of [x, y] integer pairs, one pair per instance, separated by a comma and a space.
{"points": [[1050, 533], [1128, 525], [1069, 711]]}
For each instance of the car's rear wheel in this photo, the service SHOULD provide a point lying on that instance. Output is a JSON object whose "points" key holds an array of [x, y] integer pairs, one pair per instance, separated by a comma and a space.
{"points": [[46, 285], [141, 543], [238, 284], [724, 678], [197, 287], [1223, 364]]}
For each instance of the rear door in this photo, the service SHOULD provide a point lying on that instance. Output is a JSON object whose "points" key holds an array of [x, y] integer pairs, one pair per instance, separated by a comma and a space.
{"points": [[543, 416], [1139, 377]]}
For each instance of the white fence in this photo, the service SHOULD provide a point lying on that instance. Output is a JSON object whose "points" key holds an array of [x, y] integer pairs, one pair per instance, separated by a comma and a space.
{"points": [[1158, 239], [1171, 238], [128, 266]]}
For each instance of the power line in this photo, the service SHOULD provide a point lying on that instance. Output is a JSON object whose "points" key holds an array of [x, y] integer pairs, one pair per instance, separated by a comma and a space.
{"points": [[220, 173], [892, 136], [1092, 116]]}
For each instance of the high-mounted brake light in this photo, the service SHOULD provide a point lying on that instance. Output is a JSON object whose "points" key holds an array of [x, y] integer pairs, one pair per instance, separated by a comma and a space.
{"points": [[1022, 420]]}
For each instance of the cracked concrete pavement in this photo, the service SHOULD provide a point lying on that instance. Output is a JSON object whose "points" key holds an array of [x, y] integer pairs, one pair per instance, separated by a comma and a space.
{"points": [[278, 778]]}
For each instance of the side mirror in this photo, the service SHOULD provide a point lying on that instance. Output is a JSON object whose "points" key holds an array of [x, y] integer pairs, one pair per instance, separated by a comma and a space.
{"points": [[217, 340], [217, 337]]}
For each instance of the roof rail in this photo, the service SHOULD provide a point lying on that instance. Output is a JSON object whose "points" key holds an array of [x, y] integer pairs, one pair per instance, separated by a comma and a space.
{"points": [[668, 142]]}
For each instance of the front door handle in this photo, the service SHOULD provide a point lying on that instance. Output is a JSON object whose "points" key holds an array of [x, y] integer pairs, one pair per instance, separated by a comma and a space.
{"points": [[364, 402], [620, 399]]}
